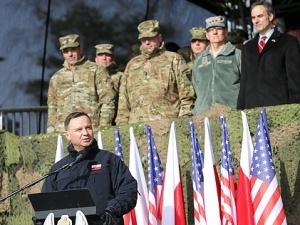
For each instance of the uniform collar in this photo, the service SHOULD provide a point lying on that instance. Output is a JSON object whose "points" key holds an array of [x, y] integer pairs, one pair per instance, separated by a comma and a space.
{"points": [[93, 147], [155, 51], [79, 62], [227, 50]]}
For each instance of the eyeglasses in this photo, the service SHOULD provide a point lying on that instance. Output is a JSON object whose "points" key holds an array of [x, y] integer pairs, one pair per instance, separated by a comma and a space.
{"points": [[211, 29]]}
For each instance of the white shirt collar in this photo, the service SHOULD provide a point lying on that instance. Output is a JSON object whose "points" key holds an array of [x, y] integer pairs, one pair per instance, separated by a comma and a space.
{"points": [[268, 35]]}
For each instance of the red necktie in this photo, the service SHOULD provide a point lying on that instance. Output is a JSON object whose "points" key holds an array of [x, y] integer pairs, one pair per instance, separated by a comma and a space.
{"points": [[261, 43]]}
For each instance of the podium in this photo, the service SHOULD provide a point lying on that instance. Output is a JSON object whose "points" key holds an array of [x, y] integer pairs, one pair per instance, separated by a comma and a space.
{"points": [[62, 203]]}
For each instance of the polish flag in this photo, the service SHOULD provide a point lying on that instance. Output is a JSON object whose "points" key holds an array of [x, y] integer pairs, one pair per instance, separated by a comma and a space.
{"points": [[212, 188], [130, 218], [172, 204], [245, 212], [140, 214], [100, 142], [59, 149]]}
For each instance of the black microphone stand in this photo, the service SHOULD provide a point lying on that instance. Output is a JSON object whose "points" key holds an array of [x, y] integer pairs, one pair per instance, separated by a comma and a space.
{"points": [[33, 183]]}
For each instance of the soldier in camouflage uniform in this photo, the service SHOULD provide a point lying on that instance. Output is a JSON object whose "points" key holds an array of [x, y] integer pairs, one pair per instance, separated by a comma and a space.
{"points": [[198, 45], [135, 50], [80, 85], [235, 38], [105, 57], [156, 84]]}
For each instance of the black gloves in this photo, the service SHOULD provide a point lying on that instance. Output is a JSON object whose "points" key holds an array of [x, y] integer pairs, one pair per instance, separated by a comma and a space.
{"points": [[110, 216]]}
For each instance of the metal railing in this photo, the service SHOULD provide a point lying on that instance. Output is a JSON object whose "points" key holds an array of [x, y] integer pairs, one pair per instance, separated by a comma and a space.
{"points": [[24, 121]]}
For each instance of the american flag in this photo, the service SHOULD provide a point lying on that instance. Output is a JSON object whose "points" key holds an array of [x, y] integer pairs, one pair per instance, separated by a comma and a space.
{"points": [[155, 178], [197, 165], [228, 183], [118, 145], [266, 198]]}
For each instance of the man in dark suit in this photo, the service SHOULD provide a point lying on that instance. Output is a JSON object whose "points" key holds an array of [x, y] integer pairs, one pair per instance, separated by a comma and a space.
{"points": [[271, 76]]}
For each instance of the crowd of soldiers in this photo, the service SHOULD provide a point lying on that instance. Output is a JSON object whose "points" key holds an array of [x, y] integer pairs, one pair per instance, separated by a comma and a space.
{"points": [[160, 84]]}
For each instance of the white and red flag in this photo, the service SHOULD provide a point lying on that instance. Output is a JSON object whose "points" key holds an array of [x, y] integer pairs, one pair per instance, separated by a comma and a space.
{"points": [[138, 215], [245, 214], [212, 189], [59, 149], [172, 204], [99, 140]]}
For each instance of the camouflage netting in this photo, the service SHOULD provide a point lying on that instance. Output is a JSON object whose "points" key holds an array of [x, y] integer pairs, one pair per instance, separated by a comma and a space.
{"points": [[26, 159]]}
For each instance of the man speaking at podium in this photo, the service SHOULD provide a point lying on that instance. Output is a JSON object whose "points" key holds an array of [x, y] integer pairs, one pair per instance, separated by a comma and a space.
{"points": [[103, 173]]}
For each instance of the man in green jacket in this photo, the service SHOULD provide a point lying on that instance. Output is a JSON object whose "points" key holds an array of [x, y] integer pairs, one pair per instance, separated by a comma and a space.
{"points": [[216, 71]]}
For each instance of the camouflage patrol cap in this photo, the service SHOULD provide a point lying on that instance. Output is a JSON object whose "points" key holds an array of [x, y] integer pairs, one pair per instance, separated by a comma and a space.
{"points": [[104, 48], [69, 41], [234, 37], [242, 33], [215, 21], [198, 33], [135, 47], [148, 28]]}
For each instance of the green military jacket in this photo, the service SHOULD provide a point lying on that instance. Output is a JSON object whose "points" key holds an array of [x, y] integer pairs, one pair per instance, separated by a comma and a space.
{"points": [[217, 80], [84, 87], [187, 54], [155, 86], [115, 75]]}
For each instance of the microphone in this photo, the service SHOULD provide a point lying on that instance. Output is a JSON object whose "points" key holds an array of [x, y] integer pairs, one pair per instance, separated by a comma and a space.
{"points": [[81, 156]]}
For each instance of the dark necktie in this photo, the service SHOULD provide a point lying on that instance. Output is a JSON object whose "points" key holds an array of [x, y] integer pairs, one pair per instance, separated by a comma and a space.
{"points": [[262, 43]]}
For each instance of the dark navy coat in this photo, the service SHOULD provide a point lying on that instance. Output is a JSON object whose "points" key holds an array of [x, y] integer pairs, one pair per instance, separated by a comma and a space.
{"points": [[272, 77], [103, 173]]}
